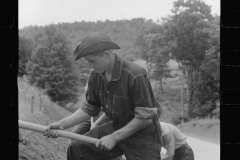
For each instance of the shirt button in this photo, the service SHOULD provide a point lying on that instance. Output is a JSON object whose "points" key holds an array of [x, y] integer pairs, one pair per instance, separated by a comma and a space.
{"points": [[107, 92]]}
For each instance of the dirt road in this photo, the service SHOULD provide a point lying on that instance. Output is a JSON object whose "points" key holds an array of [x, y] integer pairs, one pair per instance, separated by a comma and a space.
{"points": [[203, 150]]}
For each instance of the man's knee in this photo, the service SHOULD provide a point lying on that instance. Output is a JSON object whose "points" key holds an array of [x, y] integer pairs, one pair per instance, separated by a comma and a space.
{"points": [[76, 148], [76, 145], [82, 128]]}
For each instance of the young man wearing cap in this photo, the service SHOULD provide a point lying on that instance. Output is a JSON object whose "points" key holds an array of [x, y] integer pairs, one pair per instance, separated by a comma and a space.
{"points": [[175, 143], [122, 89]]}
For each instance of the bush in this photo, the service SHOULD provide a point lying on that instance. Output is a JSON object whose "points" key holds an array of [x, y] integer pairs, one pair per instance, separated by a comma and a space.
{"points": [[176, 118], [216, 112], [129, 58]]}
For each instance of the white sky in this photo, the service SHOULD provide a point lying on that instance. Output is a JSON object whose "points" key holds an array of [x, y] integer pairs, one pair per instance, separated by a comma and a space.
{"points": [[44, 12]]}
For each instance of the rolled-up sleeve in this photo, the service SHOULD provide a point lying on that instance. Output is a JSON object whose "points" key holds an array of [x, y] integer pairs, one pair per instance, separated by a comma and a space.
{"points": [[90, 109], [92, 104], [143, 99], [145, 113]]}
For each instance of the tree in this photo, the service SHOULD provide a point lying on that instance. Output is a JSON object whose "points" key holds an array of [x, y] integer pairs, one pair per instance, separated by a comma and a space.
{"points": [[123, 32], [26, 46], [189, 39], [162, 56], [161, 71], [153, 49], [142, 43], [51, 66], [207, 92], [147, 49]]}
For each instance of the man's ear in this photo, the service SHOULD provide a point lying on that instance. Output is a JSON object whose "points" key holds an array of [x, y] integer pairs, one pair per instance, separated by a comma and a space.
{"points": [[100, 54], [105, 53], [108, 52]]}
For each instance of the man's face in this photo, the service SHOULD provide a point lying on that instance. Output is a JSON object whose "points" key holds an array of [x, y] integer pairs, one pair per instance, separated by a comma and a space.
{"points": [[97, 62]]}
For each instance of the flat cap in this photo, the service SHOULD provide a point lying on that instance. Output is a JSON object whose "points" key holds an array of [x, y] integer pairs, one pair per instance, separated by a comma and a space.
{"points": [[94, 43]]}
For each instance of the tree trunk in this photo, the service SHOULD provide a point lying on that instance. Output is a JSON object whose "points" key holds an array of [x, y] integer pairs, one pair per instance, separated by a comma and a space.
{"points": [[182, 109], [32, 105], [40, 99], [161, 85], [148, 71], [190, 100]]}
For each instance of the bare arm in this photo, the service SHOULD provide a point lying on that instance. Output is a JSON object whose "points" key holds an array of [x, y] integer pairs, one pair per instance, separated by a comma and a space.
{"points": [[109, 141], [77, 117], [132, 127]]}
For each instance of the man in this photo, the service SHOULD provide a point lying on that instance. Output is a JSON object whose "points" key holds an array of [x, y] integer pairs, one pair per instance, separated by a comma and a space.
{"points": [[123, 91], [174, 141]]}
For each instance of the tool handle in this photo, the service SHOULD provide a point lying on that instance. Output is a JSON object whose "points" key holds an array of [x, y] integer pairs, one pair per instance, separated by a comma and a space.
{"points": [[65, 134]]}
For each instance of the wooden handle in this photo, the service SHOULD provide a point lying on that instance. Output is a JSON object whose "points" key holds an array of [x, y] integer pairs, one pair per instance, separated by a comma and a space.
{"points": [[92, 121], [65, 134]]}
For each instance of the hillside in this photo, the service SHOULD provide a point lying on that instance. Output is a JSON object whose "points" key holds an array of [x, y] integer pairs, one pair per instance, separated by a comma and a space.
{"points": [[123, 32], [35, 146]]}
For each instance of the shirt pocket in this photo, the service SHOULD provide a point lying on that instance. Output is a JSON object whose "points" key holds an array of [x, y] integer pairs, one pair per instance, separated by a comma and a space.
{"points": [[121, 110]]}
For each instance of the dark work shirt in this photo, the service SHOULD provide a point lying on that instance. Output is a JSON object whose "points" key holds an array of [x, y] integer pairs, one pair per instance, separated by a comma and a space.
{"points": [[127, 95]]}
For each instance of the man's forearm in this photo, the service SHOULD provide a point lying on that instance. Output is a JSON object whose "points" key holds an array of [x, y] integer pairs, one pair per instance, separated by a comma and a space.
{"points": [[77, 117], [132, 127]]}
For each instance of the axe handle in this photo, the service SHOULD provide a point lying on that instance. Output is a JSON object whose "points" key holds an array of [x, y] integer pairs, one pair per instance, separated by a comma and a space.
{"points": [[65, 134]]}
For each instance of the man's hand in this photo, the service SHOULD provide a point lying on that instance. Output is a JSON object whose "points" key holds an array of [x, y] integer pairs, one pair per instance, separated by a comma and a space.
{"points": [[52, 133], [106, 143]]}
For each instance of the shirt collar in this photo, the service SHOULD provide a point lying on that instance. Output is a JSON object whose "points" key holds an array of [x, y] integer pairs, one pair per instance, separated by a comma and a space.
{"points": [[116, 75]]}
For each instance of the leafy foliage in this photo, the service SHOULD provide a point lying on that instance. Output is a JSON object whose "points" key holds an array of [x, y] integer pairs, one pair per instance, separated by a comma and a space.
{"points": [[51, 67], [189, 39], [207, 92], [190, 36], [152, 48], [123, 32], [25, 50]]}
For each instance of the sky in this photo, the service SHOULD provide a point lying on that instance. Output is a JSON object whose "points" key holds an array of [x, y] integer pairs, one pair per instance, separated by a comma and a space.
{"points": [[45, 12]]}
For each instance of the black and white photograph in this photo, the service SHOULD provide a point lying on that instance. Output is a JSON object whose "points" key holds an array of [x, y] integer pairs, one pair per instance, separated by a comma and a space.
{"points": [[119, 79]]}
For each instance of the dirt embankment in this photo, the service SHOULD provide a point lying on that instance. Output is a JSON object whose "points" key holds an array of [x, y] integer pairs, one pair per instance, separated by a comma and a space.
{"points": [[35, 146]]}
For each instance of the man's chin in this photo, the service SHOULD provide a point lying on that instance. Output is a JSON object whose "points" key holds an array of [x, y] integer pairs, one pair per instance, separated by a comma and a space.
{"points": [[100, 71]]}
